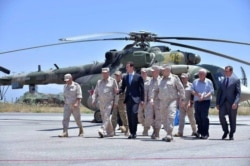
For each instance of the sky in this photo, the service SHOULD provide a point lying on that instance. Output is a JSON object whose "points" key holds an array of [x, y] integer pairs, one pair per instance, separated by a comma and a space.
{"points": [[29, 23]]}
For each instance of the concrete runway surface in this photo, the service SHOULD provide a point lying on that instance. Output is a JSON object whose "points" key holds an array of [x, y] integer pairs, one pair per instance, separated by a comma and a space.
{"points": [[32, 139]]}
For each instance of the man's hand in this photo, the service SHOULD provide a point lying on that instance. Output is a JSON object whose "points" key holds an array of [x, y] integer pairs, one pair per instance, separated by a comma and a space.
{"points": [[142, 104], [234, 106], [93, 104]]}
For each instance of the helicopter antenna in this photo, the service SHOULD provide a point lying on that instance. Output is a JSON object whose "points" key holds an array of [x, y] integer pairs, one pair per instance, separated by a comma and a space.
{"points": [[3, 92]]}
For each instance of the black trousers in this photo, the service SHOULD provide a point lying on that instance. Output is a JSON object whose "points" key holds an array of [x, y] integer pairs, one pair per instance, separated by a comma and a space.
{"points": [[226, 109], [201, 116], [132, 112]]}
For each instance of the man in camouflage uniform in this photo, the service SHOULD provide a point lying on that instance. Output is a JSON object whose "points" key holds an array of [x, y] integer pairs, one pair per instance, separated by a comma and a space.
{"points": [[153, 114], [106, 90], [141, 109], [119, 108], [72, 99], [170, 90], [187, 108]]}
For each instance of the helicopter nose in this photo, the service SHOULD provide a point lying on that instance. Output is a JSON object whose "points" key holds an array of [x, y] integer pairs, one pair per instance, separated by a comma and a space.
{"points": [[245, 93]]}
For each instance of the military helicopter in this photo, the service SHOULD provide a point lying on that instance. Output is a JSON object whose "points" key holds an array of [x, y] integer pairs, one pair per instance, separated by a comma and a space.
{"points": [[139, 51]]}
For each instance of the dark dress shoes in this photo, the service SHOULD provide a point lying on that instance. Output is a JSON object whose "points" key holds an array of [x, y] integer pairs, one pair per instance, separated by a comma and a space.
{"points": [[204, 137], [231, 136], [224, 135], [132, 136]]}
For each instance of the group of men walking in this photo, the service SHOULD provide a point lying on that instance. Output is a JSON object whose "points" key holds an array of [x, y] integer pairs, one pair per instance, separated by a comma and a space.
{"points": [[153, 101]]}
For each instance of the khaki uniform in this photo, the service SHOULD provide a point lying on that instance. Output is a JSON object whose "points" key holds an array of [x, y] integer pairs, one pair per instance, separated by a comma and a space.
{"points": [[71, 94], [105, 91], [153, 114], [121, 109], [170, 89], [141, 110], [185, 110]]}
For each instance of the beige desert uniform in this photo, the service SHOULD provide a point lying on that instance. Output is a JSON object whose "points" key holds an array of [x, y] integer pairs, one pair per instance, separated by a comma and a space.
{"points": [[153, 114], [170, 90], [105, 90], [71, 94], [141, 110], [121, 109], [187, 109]]}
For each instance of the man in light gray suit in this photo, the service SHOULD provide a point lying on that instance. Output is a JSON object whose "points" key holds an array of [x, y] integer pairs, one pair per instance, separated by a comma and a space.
{"points": [[228, 98]]}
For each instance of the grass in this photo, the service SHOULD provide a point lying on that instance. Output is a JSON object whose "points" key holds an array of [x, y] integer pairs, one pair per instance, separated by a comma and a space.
{"points": [[241, 111], [7, 107]]}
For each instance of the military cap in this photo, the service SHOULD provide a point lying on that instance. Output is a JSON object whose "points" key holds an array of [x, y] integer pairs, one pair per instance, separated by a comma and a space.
{"points": [[153, 68], [143, 70], [165, 67], [184, 75], [105, 70], [67, 77], [117, 73]]}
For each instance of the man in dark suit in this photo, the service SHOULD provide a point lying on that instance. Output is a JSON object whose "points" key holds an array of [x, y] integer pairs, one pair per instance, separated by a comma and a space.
{"points": [[133, 83], [228, 98]]}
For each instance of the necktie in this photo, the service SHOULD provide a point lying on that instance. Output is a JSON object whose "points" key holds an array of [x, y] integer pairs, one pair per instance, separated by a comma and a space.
{"points": [[227, 81], [130, 78]]}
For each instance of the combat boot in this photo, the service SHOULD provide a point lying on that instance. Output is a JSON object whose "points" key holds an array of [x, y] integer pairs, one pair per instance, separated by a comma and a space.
{"points": [[64, 134], [157, 134], [127, 131], [145, 131], [178, 135], [81, 133], [168, 138], [153, 134], [123, 129]]}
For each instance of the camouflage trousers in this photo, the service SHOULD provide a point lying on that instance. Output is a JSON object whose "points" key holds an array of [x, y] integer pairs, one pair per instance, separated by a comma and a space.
{"points": [[152, 115], [190, 113], [68, 110], [105, 109], [141, 115], [168, 111], [121, 109]]}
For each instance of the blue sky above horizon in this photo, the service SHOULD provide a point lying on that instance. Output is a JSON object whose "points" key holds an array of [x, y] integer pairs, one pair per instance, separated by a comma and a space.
{"points": [[29, 23]]}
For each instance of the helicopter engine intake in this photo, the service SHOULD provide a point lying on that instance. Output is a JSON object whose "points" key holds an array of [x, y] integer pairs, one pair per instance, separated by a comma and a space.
{"points": [[143, 59], [193, 59], [110, 57]]}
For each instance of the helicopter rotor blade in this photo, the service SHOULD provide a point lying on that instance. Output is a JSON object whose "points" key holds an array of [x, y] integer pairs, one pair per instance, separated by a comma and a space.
{"points": [[4, 70], [85, 37], [203, 39], [66, 42], [204, 50]]}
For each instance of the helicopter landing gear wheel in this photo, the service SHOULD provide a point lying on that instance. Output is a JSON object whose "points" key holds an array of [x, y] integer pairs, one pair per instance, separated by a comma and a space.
{"points": [[97, 116]]}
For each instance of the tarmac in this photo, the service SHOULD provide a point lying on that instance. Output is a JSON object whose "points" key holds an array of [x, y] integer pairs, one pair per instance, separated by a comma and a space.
{"points": [[32, 139]]}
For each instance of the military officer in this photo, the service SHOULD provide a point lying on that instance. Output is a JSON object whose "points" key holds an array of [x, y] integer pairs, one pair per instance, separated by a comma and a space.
{"points": [[105, 90], [153, 114], [187, 108], [120, 108], [142, 109], [72, 100], [170, 90]]}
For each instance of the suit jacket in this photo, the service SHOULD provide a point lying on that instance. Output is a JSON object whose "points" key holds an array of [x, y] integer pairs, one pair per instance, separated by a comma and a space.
{"points": [[135, 89], [230, 93]]}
